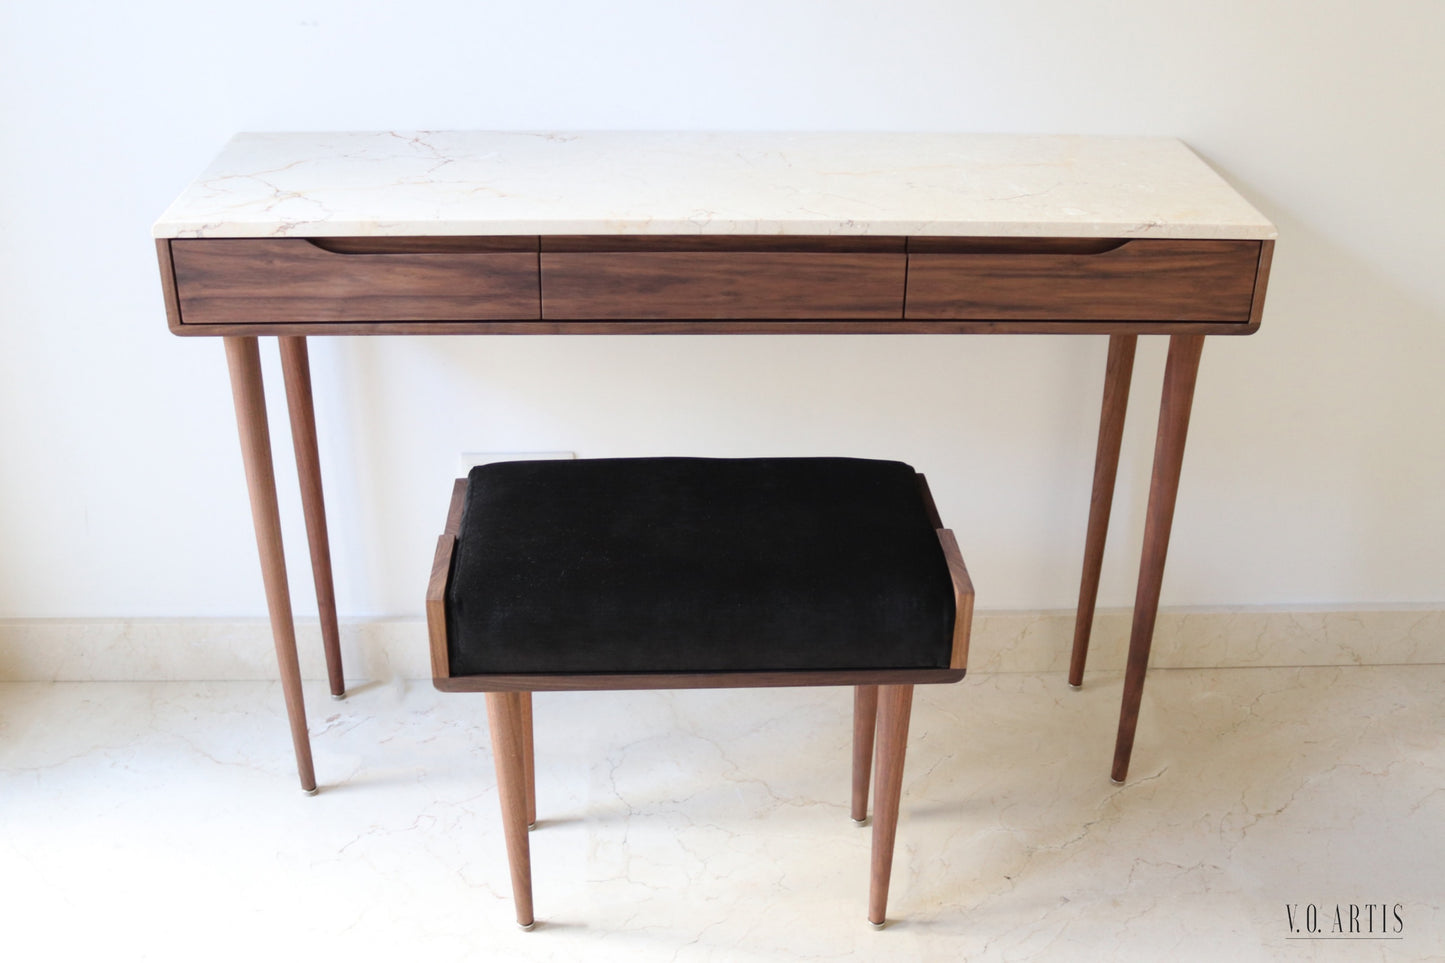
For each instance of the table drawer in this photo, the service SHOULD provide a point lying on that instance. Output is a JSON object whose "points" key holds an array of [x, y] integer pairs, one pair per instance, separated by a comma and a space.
{"points": [[1081, 280], [305, 280], [730, 278]]}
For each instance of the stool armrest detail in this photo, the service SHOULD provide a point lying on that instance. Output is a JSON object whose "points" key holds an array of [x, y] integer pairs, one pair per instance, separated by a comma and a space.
{"points": [[962, 598], [436, 606], [437, 585]]}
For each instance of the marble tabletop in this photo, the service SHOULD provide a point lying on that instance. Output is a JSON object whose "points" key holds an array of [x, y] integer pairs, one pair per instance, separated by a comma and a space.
{"points": [[394, 183]]}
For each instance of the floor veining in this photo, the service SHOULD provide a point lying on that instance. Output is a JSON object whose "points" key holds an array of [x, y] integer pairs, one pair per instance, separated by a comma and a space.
{"points": [[1270, 814]]}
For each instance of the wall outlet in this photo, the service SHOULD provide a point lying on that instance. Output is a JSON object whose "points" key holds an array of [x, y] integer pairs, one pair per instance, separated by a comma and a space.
{"points": [[471, 459]]}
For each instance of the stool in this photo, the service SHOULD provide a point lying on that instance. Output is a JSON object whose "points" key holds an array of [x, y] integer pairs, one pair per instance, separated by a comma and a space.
{"points": [[643, 573]]}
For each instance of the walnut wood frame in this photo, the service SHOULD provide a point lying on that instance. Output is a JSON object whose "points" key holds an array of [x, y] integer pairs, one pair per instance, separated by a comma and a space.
{"points": [[246, 384], [658, 285]]}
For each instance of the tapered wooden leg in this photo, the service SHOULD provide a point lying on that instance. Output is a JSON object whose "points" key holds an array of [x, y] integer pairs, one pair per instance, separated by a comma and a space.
{"points": [[865, 723], [529, 762], [1118, 371], [296, 367], [504, 716], [244, 361], [895, 704], [1180, 373]]}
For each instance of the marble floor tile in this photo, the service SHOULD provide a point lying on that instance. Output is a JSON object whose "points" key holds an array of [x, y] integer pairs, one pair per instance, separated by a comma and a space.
{"points": [[162, 821]]}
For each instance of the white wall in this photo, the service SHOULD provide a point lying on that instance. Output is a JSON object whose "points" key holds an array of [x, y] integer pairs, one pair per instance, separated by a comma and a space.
{"points": [[1315, 467]]}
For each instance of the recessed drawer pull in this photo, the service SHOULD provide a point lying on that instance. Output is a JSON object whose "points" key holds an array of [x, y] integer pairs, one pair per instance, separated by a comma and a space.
{"points": [[423, 245], [1016, 245]]}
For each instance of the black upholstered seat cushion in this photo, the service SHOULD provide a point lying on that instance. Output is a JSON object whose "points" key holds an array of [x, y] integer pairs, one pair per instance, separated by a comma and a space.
{"points": [[696, 564]]}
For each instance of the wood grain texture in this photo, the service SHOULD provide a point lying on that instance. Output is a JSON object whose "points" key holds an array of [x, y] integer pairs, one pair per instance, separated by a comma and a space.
{"points": [[436, 606], [1181, 370], [962, 599], [529, 764], [744, 326], [430, 244], [1014, 245], [1261, 283], [691, 680], [291, 280], [243, 359], [731, 243], [711, 285], [958, 575], [895, 704], [1118, 372], [721, 284], [296, 371], [504, 718], [437, 583], [1141, 280], [865, 724], [168, 284]]}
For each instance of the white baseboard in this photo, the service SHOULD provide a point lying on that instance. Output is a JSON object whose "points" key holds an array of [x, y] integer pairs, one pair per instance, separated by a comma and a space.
{"points": [[1226, 638], [86, 650]]}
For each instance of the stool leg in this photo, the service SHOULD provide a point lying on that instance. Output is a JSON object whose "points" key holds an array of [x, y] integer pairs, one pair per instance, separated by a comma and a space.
{"points": [[504, 717], [895, 704], [529, 766], [865, 723]]}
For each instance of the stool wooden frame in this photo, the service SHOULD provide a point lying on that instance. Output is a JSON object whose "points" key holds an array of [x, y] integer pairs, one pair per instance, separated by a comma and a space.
{"points": [[882, 704]]}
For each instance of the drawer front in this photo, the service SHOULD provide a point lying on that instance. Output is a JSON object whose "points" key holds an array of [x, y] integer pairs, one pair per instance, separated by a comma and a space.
{"points": [[1088, 280], [721, 284], [300, 280]]}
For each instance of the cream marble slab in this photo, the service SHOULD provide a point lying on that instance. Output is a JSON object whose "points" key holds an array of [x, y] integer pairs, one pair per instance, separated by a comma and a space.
{"points": [[162, 822], [475, 182]]}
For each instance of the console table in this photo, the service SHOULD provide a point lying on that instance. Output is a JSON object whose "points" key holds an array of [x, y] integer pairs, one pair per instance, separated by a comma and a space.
{"points": [[481, 233]]}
